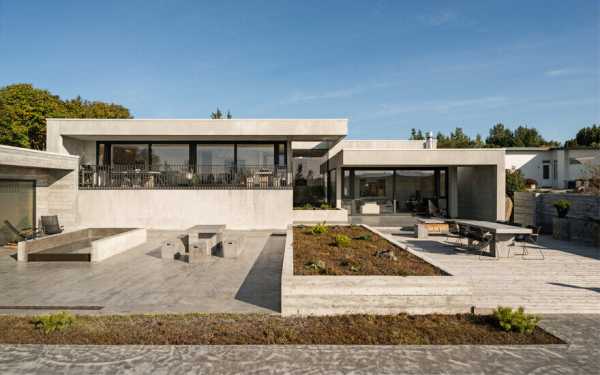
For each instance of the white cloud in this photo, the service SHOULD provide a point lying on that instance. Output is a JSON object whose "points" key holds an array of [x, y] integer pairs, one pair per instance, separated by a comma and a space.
{"points": [[299, 97], [443, 106], [560, 72], [438, 18]]}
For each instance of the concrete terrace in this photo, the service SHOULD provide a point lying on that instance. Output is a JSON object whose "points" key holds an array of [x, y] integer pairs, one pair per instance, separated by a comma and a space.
{"points": [[139, 281], [566, 281]]}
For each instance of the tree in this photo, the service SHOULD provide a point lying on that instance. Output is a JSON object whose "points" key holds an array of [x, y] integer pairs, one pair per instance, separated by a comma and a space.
{"points": [[500, 137], [530, 137], [586, 137], [514, 182], [457, 139], [416, 135], [218, 115], [24, 110]]}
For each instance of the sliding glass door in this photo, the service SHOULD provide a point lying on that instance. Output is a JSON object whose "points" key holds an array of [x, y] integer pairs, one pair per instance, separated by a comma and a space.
{"points": [[17, 208]]}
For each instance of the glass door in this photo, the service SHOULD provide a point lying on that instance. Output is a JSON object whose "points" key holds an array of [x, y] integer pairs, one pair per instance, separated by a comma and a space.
{"points": [[17, 208]]}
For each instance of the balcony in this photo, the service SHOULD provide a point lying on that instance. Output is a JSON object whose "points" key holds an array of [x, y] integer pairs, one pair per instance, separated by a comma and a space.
{"points": [[183, 176]]}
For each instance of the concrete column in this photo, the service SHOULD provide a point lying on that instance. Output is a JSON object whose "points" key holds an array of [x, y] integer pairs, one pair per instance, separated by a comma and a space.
{"points": [[453, 192], [338, 187], [290, 170], [500, 191]]}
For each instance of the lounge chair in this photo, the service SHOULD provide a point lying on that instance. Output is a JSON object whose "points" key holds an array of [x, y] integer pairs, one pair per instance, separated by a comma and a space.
{"points": [[530, 239], [50, 225], [23, 234]]}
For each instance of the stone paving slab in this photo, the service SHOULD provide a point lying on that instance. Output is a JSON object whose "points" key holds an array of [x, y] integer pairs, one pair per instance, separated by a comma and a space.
{"points": [[581, 356]]}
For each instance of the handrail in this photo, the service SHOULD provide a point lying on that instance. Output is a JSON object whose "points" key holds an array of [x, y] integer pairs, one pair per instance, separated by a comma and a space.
{"points": [[183, 176]]}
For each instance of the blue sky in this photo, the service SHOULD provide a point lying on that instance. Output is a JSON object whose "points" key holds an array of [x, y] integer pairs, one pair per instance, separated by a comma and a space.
{"points": [[387, 66]]}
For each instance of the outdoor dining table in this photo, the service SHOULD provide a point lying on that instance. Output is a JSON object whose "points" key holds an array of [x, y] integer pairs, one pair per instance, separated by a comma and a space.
{"points": [[503, 234]]}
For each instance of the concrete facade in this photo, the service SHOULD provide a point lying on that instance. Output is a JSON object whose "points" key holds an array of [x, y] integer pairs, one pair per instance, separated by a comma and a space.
{"points": [[563, 164], [179, 209], [55, 179], [476, 177], [318, 216]]}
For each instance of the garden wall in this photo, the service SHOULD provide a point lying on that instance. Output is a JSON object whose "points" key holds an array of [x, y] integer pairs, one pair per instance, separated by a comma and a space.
{"points": [[537, 209], [331, 295], [318, 216]]}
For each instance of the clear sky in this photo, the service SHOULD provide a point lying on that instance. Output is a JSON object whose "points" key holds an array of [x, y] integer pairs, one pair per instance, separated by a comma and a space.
{"points": [[387, 66]]}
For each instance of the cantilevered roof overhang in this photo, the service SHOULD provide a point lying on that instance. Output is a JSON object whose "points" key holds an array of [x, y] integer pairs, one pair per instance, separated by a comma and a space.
{"points": [[331, 130], [414, 158]]}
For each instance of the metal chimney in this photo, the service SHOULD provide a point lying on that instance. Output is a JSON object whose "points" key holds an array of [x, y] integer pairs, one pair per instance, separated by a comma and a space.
{"points": [[429, 142]]}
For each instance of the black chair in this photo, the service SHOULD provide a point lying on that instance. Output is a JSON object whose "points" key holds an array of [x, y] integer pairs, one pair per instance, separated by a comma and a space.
{"points": [[22, 234], [530, 239], [50, 225]]}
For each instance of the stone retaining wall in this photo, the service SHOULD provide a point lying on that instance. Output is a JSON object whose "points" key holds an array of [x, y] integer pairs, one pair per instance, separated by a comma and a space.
{"points": [[329, 295], [319, 216]]}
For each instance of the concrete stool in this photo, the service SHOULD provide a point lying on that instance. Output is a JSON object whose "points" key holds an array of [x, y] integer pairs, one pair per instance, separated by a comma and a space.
{"points": [[199, 251], [169, 250], [231, 247]]}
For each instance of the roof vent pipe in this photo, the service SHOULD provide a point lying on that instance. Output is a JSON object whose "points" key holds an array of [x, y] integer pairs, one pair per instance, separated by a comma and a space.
{"points": [[429, 142]]}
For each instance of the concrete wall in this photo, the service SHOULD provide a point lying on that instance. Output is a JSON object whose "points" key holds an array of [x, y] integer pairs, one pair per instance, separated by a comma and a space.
{"points": [[180, 209], [481, 192], [319, 216], [55, 176], [329, 295]]}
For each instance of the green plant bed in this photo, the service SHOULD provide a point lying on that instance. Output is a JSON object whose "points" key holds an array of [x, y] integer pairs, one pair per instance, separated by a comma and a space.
{"points": [[259, 329], [353, 250]]}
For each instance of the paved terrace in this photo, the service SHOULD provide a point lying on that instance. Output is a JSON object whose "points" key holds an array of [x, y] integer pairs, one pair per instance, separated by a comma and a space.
{"points": [[566, 281], [139, 281]]}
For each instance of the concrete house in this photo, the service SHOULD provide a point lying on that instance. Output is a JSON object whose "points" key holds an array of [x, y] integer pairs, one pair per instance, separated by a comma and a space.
{"points": [[552, 167], [175, 173]]}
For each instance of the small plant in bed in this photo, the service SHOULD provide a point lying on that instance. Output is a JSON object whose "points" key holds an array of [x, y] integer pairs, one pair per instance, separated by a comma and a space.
{"points": [[319, 229], [341, 240], [364, 237], [53, 322], [516, 320]]}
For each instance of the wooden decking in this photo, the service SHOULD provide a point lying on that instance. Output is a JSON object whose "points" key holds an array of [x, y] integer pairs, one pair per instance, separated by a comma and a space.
{"points": [[566, 281]]}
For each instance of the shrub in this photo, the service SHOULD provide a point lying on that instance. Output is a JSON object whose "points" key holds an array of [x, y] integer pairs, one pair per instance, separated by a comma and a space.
{"points": [[562, 207], [325, 206], [515, 320], [514, 182], [53, 322], [341, 240], [318, 266], [530, 182], [307, 206], [319, 229], [364, 237]]}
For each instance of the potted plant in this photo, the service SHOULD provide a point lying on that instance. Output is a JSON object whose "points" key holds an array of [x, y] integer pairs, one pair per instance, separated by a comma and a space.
{"points": [[530, 183], [560, 225]]}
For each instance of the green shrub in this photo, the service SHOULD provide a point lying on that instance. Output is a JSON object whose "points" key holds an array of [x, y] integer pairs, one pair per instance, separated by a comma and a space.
{"points": [[562, 207], [514, 182], [319, 229], [318, 266], [325, 206], [364, 237], [341, 240], [515, 320], [53, 322]]}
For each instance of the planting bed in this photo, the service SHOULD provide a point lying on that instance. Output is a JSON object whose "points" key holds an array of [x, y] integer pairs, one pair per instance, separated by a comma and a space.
{"points": [[367, 254], [229, 329]]}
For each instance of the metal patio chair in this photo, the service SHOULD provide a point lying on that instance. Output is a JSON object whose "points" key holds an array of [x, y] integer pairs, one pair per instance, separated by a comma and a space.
{"points": [[23, 234], [50, 225]]}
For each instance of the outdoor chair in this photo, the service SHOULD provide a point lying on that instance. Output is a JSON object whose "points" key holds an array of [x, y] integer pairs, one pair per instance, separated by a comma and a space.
{"points": [[482, 240], [50, 225], [22, 234], [455, 233], [530, 239]]}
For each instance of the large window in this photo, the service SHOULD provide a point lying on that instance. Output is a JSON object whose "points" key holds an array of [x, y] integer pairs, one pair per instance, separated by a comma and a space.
{"points": [[394, 191], [215, 158], [166, 156], [252, 155], [129, 154]]}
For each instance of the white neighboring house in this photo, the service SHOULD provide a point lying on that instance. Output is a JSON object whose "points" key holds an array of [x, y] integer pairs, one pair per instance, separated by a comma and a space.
{"points": [[552, 167]]}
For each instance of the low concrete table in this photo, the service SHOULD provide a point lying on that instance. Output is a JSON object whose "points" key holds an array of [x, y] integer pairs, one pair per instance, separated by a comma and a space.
{"points": [[426, 225], [504, 235]]}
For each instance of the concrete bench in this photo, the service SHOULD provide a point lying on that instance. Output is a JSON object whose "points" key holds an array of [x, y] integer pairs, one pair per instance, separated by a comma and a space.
{"points": [[426, 225], [174, 248], [232, 245]]}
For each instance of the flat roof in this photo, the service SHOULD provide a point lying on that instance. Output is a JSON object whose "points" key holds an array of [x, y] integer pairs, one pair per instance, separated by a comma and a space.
{"points": [[439, 157], [200, 129], [24, 157]]}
